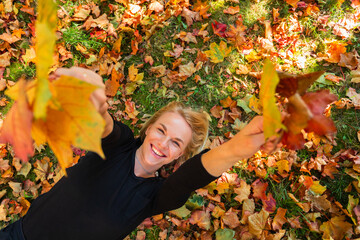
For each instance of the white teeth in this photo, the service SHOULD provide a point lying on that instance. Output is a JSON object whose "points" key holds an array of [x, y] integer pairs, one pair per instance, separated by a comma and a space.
{"points": [[157, 152]]}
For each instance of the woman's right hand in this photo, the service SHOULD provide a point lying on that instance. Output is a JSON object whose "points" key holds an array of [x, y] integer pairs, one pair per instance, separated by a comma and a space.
{"points": [[98, 97]]}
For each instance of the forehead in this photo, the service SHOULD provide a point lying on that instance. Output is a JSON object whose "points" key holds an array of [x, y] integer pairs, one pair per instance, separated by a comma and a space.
{"points": [[175, 125]]}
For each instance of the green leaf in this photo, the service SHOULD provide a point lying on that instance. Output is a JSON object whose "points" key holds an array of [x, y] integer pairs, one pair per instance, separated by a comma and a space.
{"points": [[195, 202], [182, 212], [271, 113], [225, 234], [244, 103]]}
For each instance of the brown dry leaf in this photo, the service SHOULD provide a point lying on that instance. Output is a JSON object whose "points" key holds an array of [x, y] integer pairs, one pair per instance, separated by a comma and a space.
{"points": [[201, 218], [149, 59], [81, 13], [335, 228], [354, 96], [159, 70], [279, 219], [319, 202], [248, 209], [257, 222], [9, 38], [5, 59], [190, 16], [16, 188], [242, 192], [156, 7], [231, 219], [349, 60], [232, 10], [187, 70]]}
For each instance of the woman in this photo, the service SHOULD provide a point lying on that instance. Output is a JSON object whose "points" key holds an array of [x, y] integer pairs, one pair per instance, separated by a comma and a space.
{"points": [[107, 199]]}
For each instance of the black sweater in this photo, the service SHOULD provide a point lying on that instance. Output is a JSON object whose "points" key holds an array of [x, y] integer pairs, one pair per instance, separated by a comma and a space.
{"points": [[104, 199]]}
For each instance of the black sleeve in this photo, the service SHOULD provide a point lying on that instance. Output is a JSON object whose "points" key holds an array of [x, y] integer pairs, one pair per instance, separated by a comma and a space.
{"points": [[120, 137], [177, 187]]}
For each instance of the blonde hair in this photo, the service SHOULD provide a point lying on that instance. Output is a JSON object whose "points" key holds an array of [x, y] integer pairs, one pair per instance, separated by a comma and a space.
{"points": [[197, 121]]}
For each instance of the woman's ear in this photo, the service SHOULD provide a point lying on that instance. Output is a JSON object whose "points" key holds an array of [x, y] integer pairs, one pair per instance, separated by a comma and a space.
{"points": [[147, 130]]}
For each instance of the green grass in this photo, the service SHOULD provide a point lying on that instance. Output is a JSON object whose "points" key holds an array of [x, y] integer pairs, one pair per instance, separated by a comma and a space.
{"points": [[348, 124]]}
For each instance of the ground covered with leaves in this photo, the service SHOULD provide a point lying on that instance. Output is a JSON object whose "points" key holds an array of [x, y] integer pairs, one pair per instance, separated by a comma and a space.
{"points": [[210, 56]]}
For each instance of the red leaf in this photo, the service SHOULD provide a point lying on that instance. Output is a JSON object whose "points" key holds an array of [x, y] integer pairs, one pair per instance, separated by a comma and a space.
{"points": [[292, 141], [321, 125], [269, 204], [318, 101], [219, 28], [259, 189]]}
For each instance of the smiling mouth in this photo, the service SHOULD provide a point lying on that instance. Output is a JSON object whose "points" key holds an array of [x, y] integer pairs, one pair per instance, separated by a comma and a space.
{"points": [[157, 152]]}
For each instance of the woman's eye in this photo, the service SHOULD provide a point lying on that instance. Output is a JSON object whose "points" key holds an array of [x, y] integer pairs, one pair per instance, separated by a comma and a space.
{"points": [[176, 143], [160, 130]]}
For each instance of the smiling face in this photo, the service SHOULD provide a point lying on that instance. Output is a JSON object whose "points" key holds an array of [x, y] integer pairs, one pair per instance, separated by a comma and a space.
{"points": [[165, 141]]}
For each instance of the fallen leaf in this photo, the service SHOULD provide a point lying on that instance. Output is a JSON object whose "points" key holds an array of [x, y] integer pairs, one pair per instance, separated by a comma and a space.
{"points": [[224, 234], [259, 189], [219, 28], [218, 53], [201, 218], [279, 219], [16, 128], [190, 16], [317, 188], [232, 10], [257, 222], [5, 59], [243, 191], [335, 228], [9, 38]]}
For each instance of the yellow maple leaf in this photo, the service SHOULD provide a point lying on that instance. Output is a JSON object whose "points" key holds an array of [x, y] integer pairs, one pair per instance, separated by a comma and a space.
{"points": [[271, 113], [218, 53], [134, 75], [71, 121], [45, 42], [317, 188], [283, 165]]}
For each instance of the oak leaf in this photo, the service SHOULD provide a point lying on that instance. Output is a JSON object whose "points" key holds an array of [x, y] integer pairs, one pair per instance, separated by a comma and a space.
{"points": [[218, 53], [271, 113]]}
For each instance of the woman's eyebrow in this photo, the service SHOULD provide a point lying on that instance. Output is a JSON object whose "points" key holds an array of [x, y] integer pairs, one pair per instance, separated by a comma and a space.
{"points": [[178, 139]]}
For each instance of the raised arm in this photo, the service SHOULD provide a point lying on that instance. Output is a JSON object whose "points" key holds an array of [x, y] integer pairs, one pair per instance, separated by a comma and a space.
{"points": [[98, 97], [243, 145]]}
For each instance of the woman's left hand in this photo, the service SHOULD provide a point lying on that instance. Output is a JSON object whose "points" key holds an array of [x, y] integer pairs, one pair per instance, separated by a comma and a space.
{"points": [[242, 146]]}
